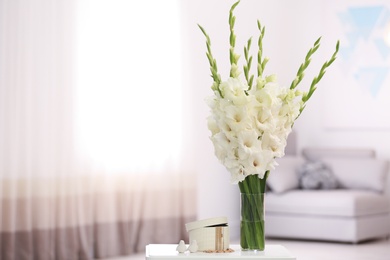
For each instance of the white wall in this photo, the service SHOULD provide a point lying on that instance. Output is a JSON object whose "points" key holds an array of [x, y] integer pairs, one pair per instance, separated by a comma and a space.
{"points": [[291, 29]]}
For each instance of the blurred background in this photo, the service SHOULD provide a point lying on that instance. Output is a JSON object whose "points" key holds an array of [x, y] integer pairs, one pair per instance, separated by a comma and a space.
{"points": [[104, 145]]}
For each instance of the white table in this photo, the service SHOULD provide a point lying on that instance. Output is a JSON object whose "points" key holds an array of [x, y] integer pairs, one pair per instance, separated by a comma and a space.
{"points": [[168, 251]]}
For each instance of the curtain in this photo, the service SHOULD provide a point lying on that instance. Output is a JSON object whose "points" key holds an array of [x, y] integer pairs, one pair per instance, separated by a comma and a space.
{"points": [[94, 147]]}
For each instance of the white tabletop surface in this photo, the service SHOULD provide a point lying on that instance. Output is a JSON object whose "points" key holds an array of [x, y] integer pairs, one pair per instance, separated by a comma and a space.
{"points": [[168, 251]]}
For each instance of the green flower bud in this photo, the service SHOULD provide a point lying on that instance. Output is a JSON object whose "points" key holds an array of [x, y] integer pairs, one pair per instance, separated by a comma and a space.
{"points": [[260, 83], [298, 93], [236, 57], [271, 78]]}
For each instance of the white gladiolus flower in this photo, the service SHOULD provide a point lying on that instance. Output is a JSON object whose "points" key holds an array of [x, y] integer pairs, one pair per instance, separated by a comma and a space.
{"points": [[232, 163], [212, 125], [236, 174], [249, 129], [233, 89], [237, 118], [263, 114], [221, 145], [258, 163], [223, 139], [274, 143], [248, 142], [263, 97]]}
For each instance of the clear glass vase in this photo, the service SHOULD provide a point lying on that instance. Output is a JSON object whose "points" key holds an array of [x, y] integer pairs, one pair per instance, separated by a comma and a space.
{"points": [[252, 222]]}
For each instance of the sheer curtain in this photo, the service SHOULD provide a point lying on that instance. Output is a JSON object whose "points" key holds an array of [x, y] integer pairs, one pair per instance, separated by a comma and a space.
{"points": [[94, 155]]}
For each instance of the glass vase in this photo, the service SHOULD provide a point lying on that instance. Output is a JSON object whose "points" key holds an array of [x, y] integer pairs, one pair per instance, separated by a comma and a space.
{"points": [[252, 222]]}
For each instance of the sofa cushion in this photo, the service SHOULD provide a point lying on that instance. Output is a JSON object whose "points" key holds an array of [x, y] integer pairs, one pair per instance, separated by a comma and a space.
{"points": [[316, 175], [285, 177], [342, 203], [363, 173]]}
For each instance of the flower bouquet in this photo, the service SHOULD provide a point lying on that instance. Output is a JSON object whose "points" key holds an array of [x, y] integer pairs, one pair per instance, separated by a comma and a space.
{"points": [[251, 118]]}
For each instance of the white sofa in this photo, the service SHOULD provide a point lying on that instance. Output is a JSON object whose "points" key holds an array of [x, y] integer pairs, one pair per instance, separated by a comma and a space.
{"points": [[357, 210]]}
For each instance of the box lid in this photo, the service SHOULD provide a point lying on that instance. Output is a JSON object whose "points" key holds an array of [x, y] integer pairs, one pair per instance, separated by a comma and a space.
{"points": [[206, 223]]}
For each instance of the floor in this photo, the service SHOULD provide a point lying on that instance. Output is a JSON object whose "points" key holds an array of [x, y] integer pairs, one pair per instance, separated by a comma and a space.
{"points": [[308, 250]]}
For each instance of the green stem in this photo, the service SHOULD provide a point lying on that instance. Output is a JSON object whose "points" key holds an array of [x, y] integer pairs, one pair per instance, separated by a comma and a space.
{"points": [[247, 67], [213, 63], [317, 79], [305, 64], [233, 56], [252, 212], [260, 61]]}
